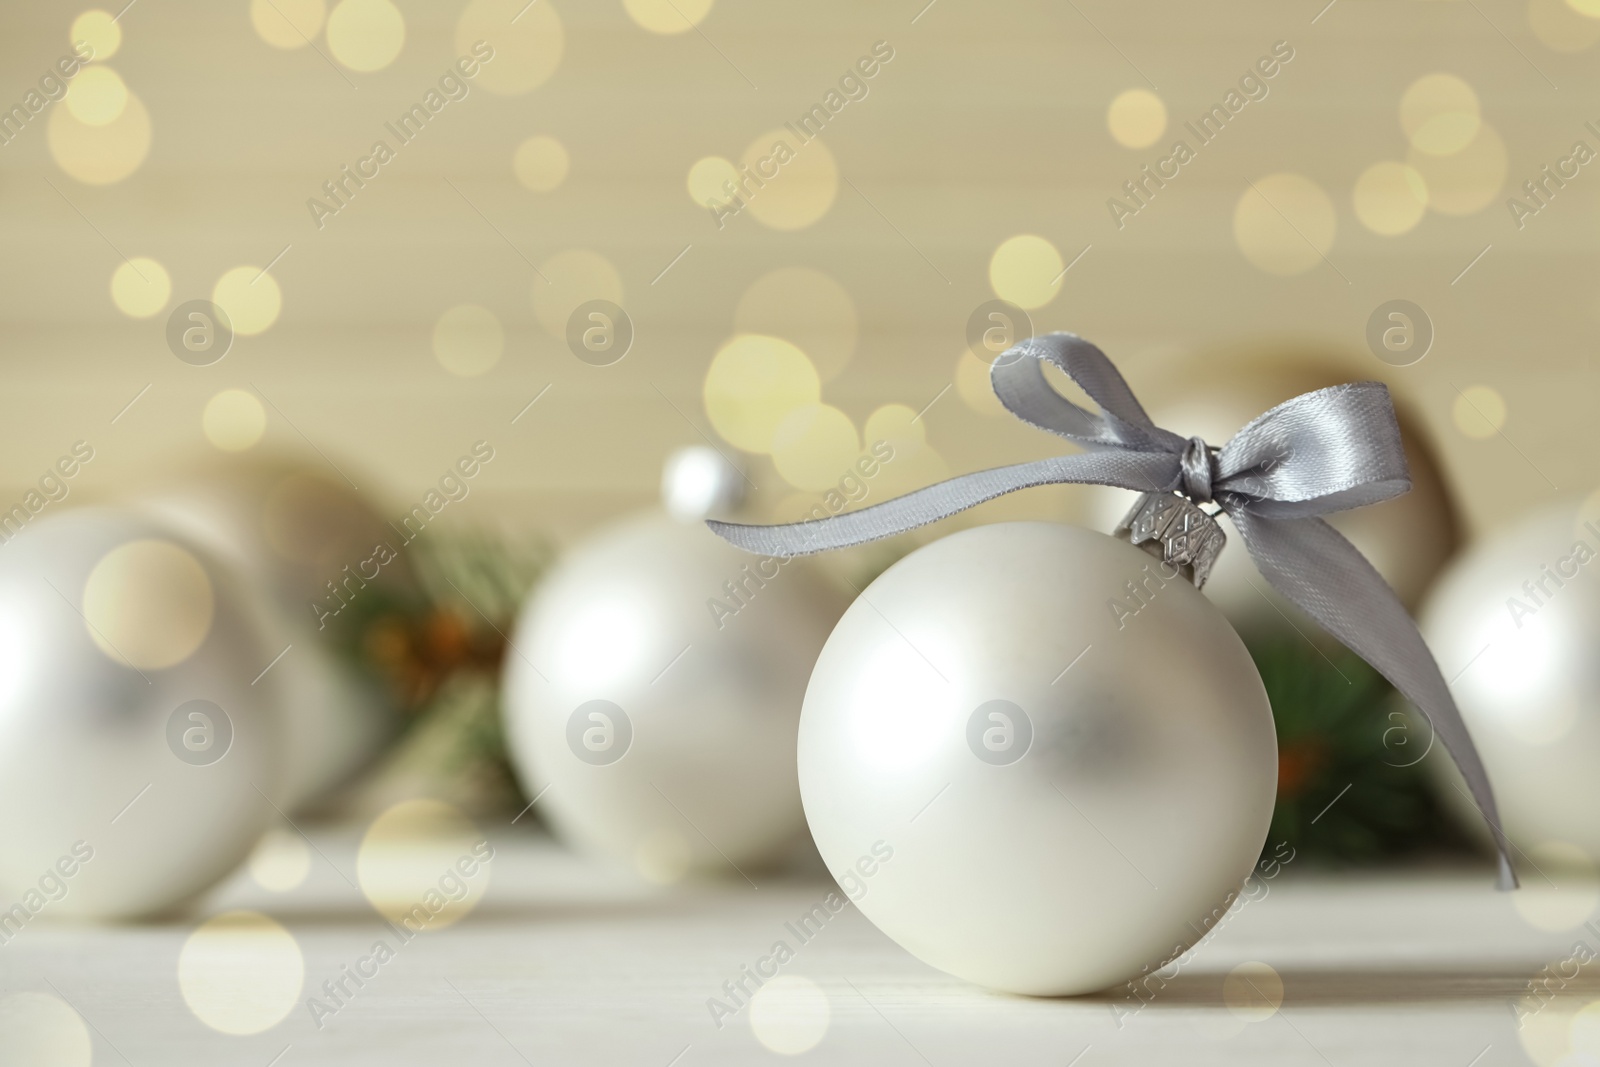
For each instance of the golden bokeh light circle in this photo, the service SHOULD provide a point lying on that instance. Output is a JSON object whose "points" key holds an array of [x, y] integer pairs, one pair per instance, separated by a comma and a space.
{"points": [[140, 287], [366, 35], [97, 96], [98, 29], [805, 307], [1583, 1032], [148, 604], [799, 181], [527, 41], [281, 861], [234, 420], [790, 1014], [973, 386], [791, 507], [568, 280], [1390, 198], [898, 426], [40, 1029], [251, 298], [1440, 114], [100, 155], [1564, 26], [708, 181], [541, 164], [668, 16], [1284, 223], [1545, 1027], [287, 23], [1025, 270], [1136, 118], [468, 340], [423, 864], [754, 381], [814, 446], [1479, 411], [1468, 181], [903, 473], [1253, 991], [241, 972]]}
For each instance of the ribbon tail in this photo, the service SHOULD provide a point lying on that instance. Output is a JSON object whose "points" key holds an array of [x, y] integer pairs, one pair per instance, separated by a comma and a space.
{"points": [[1313, 565], [1143, 471]]}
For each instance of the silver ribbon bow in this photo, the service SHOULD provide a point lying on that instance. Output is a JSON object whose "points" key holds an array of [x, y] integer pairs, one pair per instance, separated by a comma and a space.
{"points": [[1321, 452]]}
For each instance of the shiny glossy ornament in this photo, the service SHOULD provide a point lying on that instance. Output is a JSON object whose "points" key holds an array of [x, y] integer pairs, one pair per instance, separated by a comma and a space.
{"points": [[1515, 621], [313, 555], [1036, 759], [699, 481], [652, 691], [136, 755]]}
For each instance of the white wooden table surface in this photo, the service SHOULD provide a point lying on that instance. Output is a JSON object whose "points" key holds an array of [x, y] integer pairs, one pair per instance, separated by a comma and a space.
{"points": [[565, 962]]}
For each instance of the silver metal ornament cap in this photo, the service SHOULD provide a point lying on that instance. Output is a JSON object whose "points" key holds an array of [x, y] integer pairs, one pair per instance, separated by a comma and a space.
{"points": [[1176, 531]]}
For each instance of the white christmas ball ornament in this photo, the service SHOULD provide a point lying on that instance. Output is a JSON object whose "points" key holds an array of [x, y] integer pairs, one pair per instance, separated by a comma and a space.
{"points": [[652, 693], [1515, 622], [307, 547], [1061, 745], [136, 756], [699, 481]]}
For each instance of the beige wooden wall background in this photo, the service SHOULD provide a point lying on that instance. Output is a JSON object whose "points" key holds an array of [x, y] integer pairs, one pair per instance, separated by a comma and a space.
{"points": [[991, 121]]}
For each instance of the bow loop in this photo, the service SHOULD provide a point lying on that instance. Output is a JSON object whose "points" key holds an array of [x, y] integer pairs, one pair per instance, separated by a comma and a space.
{"points": [[1318, 453], [1321, 452], [1018, 380]]}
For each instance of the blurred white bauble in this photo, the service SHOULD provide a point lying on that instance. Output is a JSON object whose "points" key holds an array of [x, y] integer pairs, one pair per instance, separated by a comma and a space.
{"points": [[699, 482], [136, 755], [1515, 622], [652, 691], [1408, 539], [1024, 786], [290, 530]]}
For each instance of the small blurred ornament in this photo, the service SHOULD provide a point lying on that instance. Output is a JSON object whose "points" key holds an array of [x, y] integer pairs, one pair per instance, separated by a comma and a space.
{"points": [[318, 561], [1516, 623], [697, 482], [654, 682], [1408, 538], [139, 741]]}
